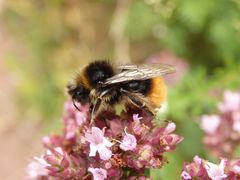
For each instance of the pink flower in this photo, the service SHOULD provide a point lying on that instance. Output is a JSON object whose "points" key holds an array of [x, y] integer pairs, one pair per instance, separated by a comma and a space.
{"points": [[223, 130], [210, 123], [80, 118], [167, 57], [98, 143], [98, 173], [61, 165], [170, 128], [236, 121], [56, 156], [145, 153], [137, 127], [236, 169], [185, 175], [194, 170], [197, 160], [231, 101], [108, 165], [129, 142], [53, 141], [202, 169], [136, 117], [214, 171], [84, 152], [37, 168]]}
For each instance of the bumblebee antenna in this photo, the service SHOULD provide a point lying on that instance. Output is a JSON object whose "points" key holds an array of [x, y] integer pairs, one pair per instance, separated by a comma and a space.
{"points": [[74, 103]]}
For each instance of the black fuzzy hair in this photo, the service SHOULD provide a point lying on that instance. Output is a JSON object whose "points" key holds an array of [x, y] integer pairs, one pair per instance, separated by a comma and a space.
{"points": [[98, 71]]}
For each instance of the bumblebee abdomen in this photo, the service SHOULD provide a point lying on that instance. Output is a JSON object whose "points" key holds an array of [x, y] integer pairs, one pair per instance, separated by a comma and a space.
{"points": [[139, 86], [158, 92]]}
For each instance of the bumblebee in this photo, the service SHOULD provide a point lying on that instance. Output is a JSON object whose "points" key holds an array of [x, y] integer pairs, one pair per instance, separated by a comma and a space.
{"points": [[103, 85]]}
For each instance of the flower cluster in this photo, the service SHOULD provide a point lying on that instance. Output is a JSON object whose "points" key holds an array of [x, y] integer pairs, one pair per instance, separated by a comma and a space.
{"points": [[202, 169], [222, 130], [114, 147]]}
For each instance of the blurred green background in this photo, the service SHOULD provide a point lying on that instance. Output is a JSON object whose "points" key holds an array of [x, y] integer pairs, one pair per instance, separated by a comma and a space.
{"points": [[42, 43]]}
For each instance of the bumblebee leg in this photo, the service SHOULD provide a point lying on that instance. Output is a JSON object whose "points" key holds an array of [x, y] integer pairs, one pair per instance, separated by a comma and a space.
{"points": [[97, 104], [135, 100], [95, 109]]}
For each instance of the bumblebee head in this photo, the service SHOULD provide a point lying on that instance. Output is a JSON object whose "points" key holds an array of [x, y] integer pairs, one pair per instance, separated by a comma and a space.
{"points": [[78, 93]]}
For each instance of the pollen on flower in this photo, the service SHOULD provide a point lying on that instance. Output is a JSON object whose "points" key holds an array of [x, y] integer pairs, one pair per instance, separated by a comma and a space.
{"points": [[117, 161], [111, 149]]}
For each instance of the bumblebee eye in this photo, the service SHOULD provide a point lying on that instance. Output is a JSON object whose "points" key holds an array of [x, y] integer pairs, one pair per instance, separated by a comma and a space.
{"points": [[80, 94], [77, 94]]}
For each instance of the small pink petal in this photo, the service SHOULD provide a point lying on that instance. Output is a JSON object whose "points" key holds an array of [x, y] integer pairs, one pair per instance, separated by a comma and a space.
{"points": [[231, 101], [64, 163], [197, 160], [214, 171], [136, 117], [236, 169], [129, 142], [93, 150], [51, 159], [98, 173], [185, 175], [68, 173], [37, 168], [210, 123], [236, 121], [104, 153], [108, 165], [170, 128], [80, 118]]}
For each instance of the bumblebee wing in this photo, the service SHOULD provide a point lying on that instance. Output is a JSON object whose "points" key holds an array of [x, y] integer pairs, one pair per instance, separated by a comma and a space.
{"points": [[141, 72], [128, 66]]}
